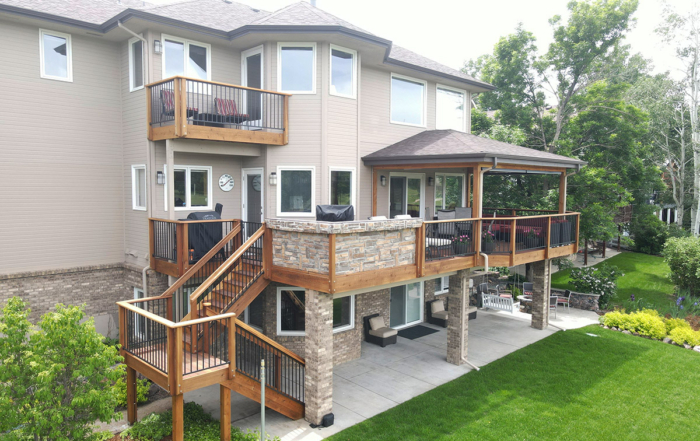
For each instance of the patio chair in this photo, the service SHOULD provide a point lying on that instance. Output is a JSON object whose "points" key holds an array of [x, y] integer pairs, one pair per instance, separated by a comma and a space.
{"points": [[482, 288], [167, 100], [527, 288], [464, 227], [377, 332], [553, 304], [565, 300], [228, 111]]}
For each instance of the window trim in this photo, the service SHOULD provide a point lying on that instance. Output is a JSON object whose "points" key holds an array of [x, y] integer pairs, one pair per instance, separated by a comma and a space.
{"points": [[281, 45], [420, 176], [280, 169], [186, 42], [444, 282], [353, 184], [131, 65], [188, 169], [439, 86], [353, 95], [134, 187], [424, 117], [464, 188], [278, 309], [69, 55]]}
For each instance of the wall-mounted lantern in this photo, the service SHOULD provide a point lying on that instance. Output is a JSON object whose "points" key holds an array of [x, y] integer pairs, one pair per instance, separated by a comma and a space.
{"points": [[273, 178], [382, 179], [157, 47]]}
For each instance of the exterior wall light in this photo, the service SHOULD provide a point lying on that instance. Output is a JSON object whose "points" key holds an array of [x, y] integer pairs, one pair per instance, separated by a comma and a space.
{"points": [[431, 181], [382, 179], [157, 48], [160, 177], [273, 178]]}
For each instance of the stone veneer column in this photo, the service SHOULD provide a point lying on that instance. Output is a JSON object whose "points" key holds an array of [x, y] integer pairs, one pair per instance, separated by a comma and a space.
{"points": [[542, 273], [457, 320], [318, 378]]}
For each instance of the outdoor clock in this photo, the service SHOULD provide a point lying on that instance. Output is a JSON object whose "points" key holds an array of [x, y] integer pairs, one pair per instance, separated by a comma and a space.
{"points": [[226, 182], [256, 182]]}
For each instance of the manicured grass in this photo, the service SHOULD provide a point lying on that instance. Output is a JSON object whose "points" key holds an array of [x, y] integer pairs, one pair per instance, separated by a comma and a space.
{"points": [[569, 386], [645, 276]]}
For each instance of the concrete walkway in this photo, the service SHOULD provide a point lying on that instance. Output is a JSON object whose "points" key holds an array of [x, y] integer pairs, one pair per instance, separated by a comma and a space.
{"points": [[385, 377]]}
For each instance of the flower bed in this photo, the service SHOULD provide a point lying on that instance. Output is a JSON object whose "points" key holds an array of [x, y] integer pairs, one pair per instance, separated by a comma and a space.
{"points": [[648, 323]]}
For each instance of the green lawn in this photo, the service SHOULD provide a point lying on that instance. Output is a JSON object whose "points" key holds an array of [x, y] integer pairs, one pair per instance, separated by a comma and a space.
{"points": [[569, 386], [645, 276]]}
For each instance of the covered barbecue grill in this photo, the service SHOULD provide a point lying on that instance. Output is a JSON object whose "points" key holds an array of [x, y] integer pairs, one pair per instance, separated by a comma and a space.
{"points": [[203, 236]]}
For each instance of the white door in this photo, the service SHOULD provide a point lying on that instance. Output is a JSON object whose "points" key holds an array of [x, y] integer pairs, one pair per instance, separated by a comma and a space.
{"points": [[253, 192], [252, 76]]}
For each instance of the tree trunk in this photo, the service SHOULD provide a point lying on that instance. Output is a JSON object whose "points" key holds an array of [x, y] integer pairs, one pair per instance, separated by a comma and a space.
{"points": [[619, 237], [585, 253]]}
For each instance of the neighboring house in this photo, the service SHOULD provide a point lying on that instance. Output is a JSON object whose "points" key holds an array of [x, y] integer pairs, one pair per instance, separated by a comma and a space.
{"points": [[119, 118]]}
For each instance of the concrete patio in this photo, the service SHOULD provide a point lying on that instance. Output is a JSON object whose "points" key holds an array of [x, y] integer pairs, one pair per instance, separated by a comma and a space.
{"points": [[385, 377]]}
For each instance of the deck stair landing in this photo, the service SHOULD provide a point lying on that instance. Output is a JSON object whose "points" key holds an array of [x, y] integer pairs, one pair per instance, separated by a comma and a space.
{"points": [[190, 336]]}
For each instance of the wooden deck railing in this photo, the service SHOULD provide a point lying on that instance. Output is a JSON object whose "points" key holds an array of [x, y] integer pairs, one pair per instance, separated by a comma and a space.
{"points": [[181, 107]]}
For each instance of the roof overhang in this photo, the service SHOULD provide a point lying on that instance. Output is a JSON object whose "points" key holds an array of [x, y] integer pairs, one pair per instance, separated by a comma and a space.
{"points": [[455, 161]]}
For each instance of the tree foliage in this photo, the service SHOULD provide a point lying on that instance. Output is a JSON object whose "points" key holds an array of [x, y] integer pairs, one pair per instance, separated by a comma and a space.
{"points": [[56, 381]]}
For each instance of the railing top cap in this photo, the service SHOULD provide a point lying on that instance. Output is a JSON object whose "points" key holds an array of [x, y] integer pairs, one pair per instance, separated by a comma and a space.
{"points": [[358, 226], [165, 80]]}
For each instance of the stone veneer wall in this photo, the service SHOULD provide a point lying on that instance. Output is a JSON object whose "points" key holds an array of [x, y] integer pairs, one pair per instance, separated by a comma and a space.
{"points": [[360, 245]]}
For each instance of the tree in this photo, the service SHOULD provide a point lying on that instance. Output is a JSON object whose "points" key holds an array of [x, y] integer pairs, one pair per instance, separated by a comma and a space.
{"points": [[56, 382]]}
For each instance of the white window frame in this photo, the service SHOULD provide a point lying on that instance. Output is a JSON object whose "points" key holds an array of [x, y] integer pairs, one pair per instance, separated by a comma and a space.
{"points": [[353, 95], [445, 281], [280, 169], [464, 188], [425, 99], [69, 55], [279, 67], [135, 187], [131, 64], [188, 169], [464, 110], [278, 307], [186, 44], [331, 169], [422, 307], [422, 189]]}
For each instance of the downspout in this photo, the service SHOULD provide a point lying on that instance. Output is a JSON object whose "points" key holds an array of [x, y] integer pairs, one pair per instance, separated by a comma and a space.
{"points": [[481, 205], [149, 208]]}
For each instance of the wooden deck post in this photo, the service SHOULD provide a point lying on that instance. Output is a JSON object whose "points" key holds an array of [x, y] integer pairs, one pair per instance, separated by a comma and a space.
{"points": [[331, 263], [181, 248], [232, 347], [374, 191], [285, 115], [513, 233], [178, 417], [131, 414], [225, 412], [562, 192]]}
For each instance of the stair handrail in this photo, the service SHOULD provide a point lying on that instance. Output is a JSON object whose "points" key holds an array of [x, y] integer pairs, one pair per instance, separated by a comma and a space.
{"points": [[224, 267], [203, 261], [269, 341]]}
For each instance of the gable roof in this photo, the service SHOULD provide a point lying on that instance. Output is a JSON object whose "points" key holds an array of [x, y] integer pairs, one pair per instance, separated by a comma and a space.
{"points": [[451, 145], [225, 19]]}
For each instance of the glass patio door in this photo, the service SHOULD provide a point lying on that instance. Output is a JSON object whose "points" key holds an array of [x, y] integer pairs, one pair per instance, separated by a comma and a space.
{"points": [[406, 305], [252, 76], [406, 195]]}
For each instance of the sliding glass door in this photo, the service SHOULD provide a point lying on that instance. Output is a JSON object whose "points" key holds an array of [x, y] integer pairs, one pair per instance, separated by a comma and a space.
{"points": [[406, 305], [406, 194]]}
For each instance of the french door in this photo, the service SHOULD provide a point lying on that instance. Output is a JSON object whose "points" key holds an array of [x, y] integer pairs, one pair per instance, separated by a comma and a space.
{"points": [[406, 305], [252, 76], [406, 194], [253, 194]]}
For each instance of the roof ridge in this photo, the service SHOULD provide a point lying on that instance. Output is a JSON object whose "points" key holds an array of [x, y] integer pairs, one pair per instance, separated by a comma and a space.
{"points": [[316, 10], [156, 6], [273, 14]]}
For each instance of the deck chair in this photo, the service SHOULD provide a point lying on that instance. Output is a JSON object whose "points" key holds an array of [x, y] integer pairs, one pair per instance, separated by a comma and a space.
{"points": [[167, 100], [228, 111], [565, 300], [448, 229], [553, 305]]}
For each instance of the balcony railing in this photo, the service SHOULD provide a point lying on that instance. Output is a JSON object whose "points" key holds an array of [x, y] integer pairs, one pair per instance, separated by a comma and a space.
{"points": [[180, 107]]}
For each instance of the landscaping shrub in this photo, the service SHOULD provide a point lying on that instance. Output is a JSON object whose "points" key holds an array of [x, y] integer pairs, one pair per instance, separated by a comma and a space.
{"points": [[563, 263], [674, 323], [683, 335], [646, 322], [650, 234], [682, 254], [601, 279], [119, 388]]}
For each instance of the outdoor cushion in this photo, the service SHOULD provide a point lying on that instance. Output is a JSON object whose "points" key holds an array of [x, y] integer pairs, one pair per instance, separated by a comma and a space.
{"points": [[402, 216], [227, 107], [471, 309], [383, 332], [437, 306], [168, 97], [376, 322], [436, 242], [442, 315], [506, 296]]}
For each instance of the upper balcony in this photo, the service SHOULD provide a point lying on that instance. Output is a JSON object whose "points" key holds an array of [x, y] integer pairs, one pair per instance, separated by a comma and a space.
{"points": [[180, 107]]}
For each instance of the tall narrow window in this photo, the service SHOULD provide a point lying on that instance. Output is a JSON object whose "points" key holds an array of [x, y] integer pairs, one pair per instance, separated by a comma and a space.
{"points": [[56, 55], [451, 109], [342, 187], [407, 100], [449, 191], [186, 57], [295, 192], [296, 67], [291, 312], [138, 187], [343, 82], [135, 64]]}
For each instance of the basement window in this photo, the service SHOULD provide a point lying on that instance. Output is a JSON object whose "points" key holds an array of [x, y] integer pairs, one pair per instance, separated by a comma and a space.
{"points": [[291, 312]]}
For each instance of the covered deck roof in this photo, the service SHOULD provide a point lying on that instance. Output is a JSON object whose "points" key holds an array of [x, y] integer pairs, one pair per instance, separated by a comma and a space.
{"points": [[451, 146]]}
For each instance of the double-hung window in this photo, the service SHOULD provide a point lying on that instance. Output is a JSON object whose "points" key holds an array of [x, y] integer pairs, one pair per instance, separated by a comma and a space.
{"points": [[295, 191], [186, 57], [296, 68], [449, 191], [342, 186], [442, 285], [408, 100], [451, 109], [138, 187], [193, 187], [291, 312], [343, 72], [135, 64], [56, 55]]}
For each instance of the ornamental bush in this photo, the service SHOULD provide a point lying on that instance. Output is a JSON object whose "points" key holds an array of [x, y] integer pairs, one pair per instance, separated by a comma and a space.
{"points": [[682, 254], [601, 279], [650, 234], [646, 322], [683, 335], [674, 323], [142, 388]]}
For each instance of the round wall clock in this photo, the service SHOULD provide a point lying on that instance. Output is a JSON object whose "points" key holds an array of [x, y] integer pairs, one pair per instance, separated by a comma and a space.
{"points": [[226, 182], [256, 182]]}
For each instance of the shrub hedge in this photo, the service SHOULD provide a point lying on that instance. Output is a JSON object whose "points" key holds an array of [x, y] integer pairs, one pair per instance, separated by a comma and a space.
{"points": [[649, 323]]}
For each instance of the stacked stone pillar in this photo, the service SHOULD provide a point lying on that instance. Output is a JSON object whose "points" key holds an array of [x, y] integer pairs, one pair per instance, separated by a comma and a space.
{"points": [[318, 379], [541, 283], [457, 317]]}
